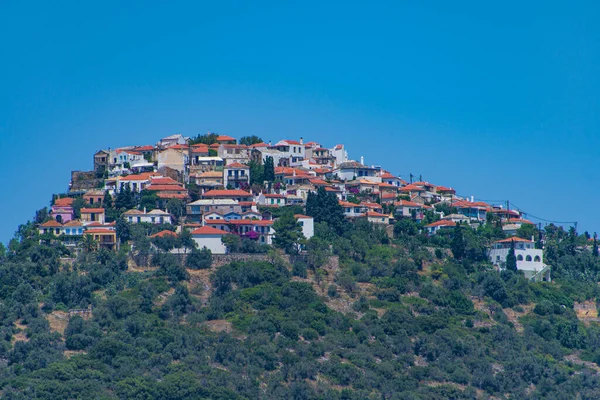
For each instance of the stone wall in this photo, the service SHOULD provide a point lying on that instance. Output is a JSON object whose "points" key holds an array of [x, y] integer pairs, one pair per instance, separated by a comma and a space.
{"points": [[332, 264], [84, 180]]}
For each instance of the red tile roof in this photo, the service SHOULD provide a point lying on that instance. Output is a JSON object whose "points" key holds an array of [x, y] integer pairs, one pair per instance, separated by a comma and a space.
{"points": [[236, 165], [180, 196], [444, 189], [164, 181], [163, 234], [179, 147], [375, 214], [138, 177], [51, 224], [224, 138], [406, 203], [208, 230], [301, 216], [514, 239], [166, 188], [91, 210], [64, 202], [520, 221], [100, 230], [144, 148]]}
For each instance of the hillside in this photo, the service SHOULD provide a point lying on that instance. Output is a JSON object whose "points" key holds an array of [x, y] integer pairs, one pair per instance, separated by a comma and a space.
{"points": [[416, 316]]}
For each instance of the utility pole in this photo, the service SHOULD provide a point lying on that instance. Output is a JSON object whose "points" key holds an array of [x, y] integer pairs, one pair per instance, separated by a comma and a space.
{"points": [[411, 177]]}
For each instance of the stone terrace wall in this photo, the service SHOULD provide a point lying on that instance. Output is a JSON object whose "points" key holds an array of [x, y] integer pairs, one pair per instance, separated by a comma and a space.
{"points": [[333, 263]]}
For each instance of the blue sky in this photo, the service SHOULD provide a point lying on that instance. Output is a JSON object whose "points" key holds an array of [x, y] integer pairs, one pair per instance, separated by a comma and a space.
{"points": [[497, 100]]}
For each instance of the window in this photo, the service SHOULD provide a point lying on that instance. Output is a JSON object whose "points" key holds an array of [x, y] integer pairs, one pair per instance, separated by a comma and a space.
{"points": [[152, 219], [537, 259], [528, 258]]}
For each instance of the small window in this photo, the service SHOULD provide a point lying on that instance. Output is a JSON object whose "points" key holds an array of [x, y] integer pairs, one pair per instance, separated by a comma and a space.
{"points": [[528, 258], [520, 257], [537, 259]]}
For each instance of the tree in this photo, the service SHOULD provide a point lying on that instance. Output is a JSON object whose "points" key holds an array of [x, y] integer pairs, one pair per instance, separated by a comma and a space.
{"points": [[511, 258], [108, 200], [199, 259], [123, 230], [288, 233], [41, 215], [208, 138], [176, 207], [125, 199], [250, 140], [89, 243], [458, 245], [257, 173], [148, 200], [232, 242], [323, 206], [269, 169], [595, 247]]}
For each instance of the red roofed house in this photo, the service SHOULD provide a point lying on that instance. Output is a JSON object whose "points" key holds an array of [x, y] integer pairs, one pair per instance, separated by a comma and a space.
{"points": [[476, 210], [388, 178], [62, 209], [232, 153], [236, 175], [51, 227], [236, 194], [105, 237], [434, 227], [210, 238], [89, 215], [224, 139], [376, 218], [163, 234], [292, 149], [264, 228], [353, 210]]}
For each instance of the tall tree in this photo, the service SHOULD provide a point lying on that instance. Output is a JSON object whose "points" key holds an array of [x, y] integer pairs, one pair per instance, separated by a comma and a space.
{"points": [[288, 233], [250, 140], [324, 206], [125, 199], [458, 244], [511, 258], [207, 138], [269, 169], [595, 248], [108, 200]]}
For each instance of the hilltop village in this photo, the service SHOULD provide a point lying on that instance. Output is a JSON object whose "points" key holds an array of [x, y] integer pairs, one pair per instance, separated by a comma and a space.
{"points": [[214, 186]]}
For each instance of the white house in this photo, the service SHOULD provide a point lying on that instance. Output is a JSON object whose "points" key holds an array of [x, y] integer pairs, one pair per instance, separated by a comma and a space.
{"points": [[529, 259], [339, 153], [171, 141], [434, 227], [236, 175], [272, 199], [210, 238], [307, 223], [352, 170], [292, 149], [153, 217]]}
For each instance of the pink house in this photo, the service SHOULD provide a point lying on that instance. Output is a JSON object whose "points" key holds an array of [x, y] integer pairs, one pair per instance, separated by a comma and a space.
{"points": [[62, 210]]}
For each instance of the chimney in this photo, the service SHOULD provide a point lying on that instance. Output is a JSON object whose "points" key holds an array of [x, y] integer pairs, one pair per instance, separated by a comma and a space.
{"points": [[362, 160], [472, 199], [301, 140], [144, 210]]}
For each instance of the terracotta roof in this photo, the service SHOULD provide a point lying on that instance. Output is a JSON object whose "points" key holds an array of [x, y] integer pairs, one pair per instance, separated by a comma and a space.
{"points": [[227, 193], [163, 234], [164, 181], [348, 204], [138, 177], [318, 182], [374, 214], [274, 196], [468, 204], [441, 223], [412, 188], [444, 189], [179, 147], [406, 203], [255, 145], [388, 185], [63, 202], [223, 138], [73, 222], [389, 195], [387, 175], [301, 216], [91, 210], [236, 165], [100, 230], [51, 224], [133, 212], [370, 205], [210, 174], [514, 239], [144, 148], [208, 230]]}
